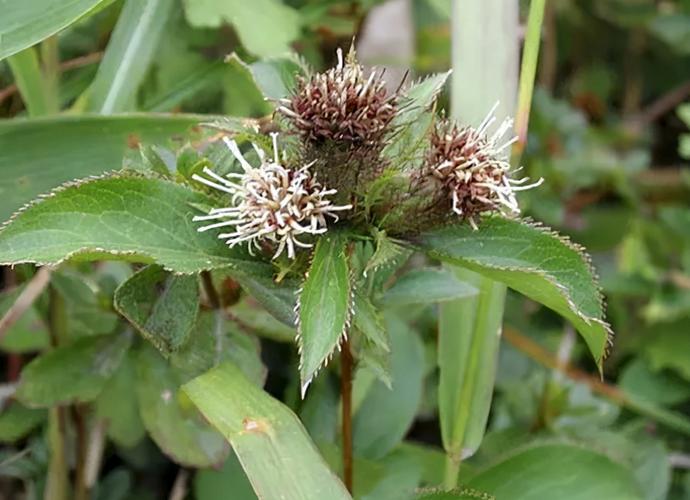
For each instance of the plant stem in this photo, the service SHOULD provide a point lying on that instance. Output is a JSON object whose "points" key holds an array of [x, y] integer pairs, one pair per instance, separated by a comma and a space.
{"points": [[81, 489], [485, 64], [179, 489], [530, 55], [450, 476], [94, 454], [57, 483], [211, 293], [50, 58], [346, 394]]}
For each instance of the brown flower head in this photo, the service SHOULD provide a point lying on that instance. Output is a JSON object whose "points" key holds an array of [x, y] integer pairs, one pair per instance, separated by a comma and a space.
{"points": [[472, 166], [341, 105]]}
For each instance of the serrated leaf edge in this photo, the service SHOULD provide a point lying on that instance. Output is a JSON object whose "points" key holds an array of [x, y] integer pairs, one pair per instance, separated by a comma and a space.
{"points": [[580, 251], [75, 183], [339, 342]]}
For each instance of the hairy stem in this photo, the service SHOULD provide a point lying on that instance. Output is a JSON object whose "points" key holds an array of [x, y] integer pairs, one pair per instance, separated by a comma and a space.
{"points": [[346, 394]]}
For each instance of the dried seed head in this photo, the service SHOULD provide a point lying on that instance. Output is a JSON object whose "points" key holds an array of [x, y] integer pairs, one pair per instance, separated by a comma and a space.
{"points": [[341, 105], [270, 203], [473, 167]]}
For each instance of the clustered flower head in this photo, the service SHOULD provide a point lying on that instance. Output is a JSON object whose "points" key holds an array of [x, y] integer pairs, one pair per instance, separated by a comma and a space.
{"points": [[341, 105], [472, 165], [269, 203], [337, 115]]}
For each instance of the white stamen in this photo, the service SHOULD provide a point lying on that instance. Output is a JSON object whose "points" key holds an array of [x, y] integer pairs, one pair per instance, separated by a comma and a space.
{"points": [[478, 171], [272, 203]]}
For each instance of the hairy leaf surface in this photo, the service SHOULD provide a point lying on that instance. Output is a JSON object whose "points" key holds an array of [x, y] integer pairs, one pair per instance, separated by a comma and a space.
{"points": [[534, 261], [74, 372], [324, 306], [136, 218], [162, 306]]}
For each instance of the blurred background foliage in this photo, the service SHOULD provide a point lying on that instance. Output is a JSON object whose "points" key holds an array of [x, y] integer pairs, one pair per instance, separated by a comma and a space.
{"points": [[609, 132]]}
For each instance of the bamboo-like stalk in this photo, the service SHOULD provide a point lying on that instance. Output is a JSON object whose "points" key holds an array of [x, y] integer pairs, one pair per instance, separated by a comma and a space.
{"points": [[485, 55]]}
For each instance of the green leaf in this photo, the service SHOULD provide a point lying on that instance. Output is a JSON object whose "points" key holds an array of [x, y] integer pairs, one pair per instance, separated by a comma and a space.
{"points": [[269, 440], [131, 217], [39, 155], [229, 481], [274, 78], [674, 29], [468, 341], [29, 79], [424, 286], [203, 78], [668, 348], [369, 321], [277, 299], [117, 404], [385, 415], [387, 252], [324, 306], [74, 373], [129, 53], [25, 23], [374, 349], [177, 430], [265, 27], [556, 471], [534, 261], [215, 340], [28, 333], [162, 306], [262, 323], [86, 309], [414, 117], [17, 421], [660, 387]]}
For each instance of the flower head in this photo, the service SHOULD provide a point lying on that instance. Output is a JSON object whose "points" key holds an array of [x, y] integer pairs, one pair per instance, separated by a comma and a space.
{"points": [[270, 203], [341, 104], [472, 164]]}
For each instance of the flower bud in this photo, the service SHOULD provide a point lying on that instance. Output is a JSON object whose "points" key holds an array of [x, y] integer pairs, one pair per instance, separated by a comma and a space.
{"points": [[341, 105]]}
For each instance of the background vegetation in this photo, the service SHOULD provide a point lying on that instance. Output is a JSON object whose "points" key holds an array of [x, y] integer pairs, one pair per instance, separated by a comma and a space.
{"points": [[608, 131]]}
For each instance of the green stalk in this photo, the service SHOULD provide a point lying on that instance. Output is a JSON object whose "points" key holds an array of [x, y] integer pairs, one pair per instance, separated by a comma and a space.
{"points": [[30, 82], [485, 55], [57, 482], [528, 70], [50, 58]]}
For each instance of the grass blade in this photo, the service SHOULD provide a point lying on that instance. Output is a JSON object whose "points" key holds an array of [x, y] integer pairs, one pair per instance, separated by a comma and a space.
{"points": [[24, 24], [29, 80], [128, 55], [274, 449], [468, 340]]}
